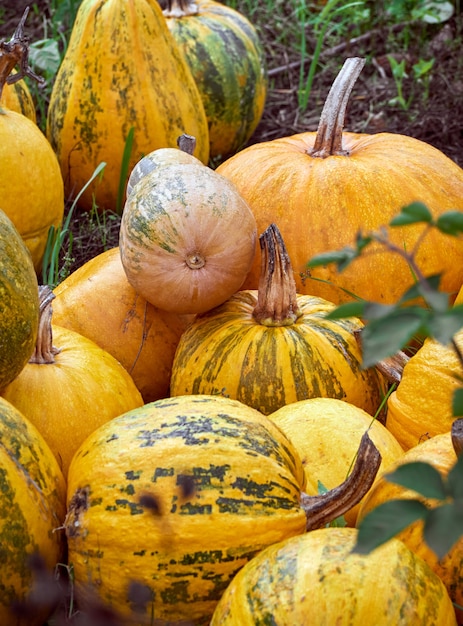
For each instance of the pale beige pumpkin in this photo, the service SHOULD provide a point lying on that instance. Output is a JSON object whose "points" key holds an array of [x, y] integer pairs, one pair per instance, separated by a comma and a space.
{"points": [[187, 238]]}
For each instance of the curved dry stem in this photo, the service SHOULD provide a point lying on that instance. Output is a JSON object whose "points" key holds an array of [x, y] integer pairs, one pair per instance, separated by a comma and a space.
{"points": [[328, 141], [45, 351], [180, 8], [323, 509]]}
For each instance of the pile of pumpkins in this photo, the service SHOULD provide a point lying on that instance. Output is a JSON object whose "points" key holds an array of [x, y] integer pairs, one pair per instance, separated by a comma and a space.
{"points": [[179, 420]]}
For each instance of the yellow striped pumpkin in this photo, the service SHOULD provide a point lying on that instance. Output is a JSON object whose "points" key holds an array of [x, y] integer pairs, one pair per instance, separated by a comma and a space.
{"points": [[32, 510], [17, 97], [317, 579], [227, 61], [270, 347], [168, 501], [122, 70]]}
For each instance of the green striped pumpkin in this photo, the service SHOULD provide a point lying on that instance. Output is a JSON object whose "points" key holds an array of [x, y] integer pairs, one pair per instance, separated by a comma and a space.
{"points": [[224, 53], [317, 579], [32, 509], [270, 347], [171, 499], [19, 302], [122, 70]]}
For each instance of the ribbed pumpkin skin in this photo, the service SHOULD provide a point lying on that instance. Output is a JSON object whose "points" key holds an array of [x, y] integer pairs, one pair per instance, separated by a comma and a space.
{"points": [[31, 186], [19, 302], [242, 495], [176, 215], [326, 432], [421, 405], [316, 579], [320, 204], [17, 97], [121, 70], [32, 509], [226, 351], [227, 61], [97, 301], [439, 452], [69, 399]]}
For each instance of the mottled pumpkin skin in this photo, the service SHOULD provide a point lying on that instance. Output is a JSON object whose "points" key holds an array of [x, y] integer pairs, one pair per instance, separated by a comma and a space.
{"points": [[421, 405], [226, 351], [32, 509], [31, 186], [317, 579], [17, 97], [227, 61], [68, 399], [176, 496], [175, 215], [19, 302], [320, 204], [439, 452], [97, 301], [121, 69], [327, 432]]}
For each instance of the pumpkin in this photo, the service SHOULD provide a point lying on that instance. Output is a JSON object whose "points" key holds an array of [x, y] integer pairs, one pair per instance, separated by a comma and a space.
{"points": [[187, 238], [323, 187], [270, 347], [327, 432], [97, 301], [19, 302], [168, 501], [421, 405], [316, 579], [17, 97], [439, 451], [32, 511], [70, 386], [227, 61], [122, 70]]}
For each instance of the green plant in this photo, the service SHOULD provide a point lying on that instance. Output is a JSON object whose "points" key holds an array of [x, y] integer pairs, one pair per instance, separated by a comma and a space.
{"points": [[421, 75], [388, 329]]}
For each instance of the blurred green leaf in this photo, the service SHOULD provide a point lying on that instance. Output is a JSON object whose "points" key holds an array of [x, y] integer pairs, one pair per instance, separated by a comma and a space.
{"points": [[420, 477], [44, 56], [385, 521], [342, 258], [444, 326], [413, 213], [450, 222], [457, 403], [416, 290], [443, 528], [384, 337], [455, 481], [348, 309]]}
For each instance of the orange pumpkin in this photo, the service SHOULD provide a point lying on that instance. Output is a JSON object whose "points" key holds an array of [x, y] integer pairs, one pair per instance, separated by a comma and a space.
{"points": [[322, 187], [97, 301]]}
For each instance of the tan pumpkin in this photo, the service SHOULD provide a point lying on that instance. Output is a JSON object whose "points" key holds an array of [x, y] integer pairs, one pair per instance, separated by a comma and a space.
{"points": [[323, 187], [270, 347], [122, 70], [168, 501], [327, 432], [97, 301], [187, 238], [32, 511], [316, 579], [70, 386], [440, 452]]}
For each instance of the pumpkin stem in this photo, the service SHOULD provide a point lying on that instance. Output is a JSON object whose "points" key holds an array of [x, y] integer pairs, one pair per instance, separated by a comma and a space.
{"points": [[323, 509], [16, 52], [187, 143], [180, 8], [328, 141], [457, 436], [45, 351], [277, 295]]}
